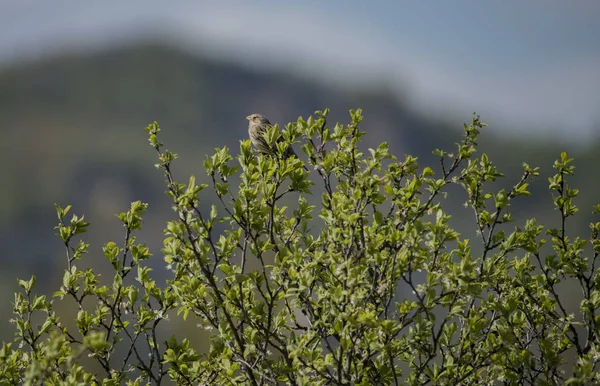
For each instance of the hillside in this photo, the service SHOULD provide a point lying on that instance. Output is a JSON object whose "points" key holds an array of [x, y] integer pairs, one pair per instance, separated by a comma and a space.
{"points": [[72, 133]]}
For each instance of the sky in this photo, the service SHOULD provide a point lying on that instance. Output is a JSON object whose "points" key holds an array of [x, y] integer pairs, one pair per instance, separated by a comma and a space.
{"points": [[533, 65]]}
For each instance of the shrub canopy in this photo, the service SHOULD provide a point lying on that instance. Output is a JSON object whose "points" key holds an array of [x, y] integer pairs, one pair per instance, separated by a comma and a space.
{"points": [[370, 285]]}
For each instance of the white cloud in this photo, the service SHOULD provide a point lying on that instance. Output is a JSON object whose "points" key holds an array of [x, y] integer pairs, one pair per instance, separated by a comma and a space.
{"points": [[559, 94]]}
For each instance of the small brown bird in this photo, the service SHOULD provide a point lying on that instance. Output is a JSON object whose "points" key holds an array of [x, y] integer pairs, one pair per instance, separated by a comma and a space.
{"points": [[257, 126]]}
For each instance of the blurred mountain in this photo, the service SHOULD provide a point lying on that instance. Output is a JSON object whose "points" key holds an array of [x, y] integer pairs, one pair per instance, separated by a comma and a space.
{"points": [[72, 133]]}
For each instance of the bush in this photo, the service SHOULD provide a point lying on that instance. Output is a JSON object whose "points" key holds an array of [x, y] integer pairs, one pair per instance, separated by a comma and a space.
{"points": [[379, 290]]}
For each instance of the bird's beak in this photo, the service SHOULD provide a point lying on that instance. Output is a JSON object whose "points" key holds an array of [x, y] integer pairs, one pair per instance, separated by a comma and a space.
{"points": [[248, 118]]}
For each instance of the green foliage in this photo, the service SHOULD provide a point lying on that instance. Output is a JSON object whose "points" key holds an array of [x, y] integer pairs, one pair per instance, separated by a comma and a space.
{"points": [[371, 286]]}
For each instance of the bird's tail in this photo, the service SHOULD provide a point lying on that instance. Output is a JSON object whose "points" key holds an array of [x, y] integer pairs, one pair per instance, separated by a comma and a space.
{"points": [[290, 152]]}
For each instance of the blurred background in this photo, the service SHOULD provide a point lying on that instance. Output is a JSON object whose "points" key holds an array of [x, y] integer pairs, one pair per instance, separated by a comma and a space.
{"points": [[79, 81]]}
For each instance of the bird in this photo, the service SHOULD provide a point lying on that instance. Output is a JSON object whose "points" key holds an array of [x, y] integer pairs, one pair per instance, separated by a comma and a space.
{"points": [[257, 127]]}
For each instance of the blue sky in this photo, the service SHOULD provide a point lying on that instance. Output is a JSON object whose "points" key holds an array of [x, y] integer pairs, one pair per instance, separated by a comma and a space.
{"points": [[534, 62]]}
